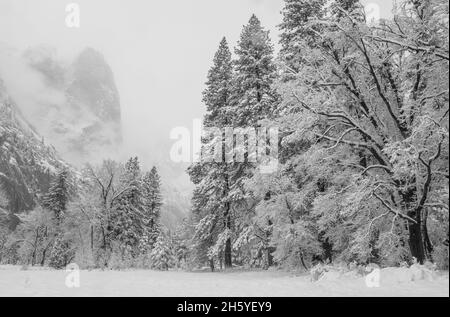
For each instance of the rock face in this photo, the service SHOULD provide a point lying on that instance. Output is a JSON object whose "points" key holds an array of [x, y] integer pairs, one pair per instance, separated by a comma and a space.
{"points": [[26, 163], [84, 124]]}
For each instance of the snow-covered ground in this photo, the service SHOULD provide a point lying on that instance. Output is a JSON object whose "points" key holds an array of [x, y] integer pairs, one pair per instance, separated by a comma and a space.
{"points": [[17, 282]]}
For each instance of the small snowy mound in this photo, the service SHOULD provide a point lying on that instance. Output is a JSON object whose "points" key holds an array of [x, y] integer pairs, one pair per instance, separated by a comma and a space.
{"points": [[330, 276], [321, 273], [385, 276], [414, 273]]}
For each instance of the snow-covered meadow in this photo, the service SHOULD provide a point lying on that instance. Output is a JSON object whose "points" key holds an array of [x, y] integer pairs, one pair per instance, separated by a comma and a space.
{"points": [[14, 281]]}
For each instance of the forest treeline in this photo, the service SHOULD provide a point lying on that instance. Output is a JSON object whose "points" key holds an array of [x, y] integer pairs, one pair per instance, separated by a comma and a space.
{"points": [[362, 112], [103, 217]]}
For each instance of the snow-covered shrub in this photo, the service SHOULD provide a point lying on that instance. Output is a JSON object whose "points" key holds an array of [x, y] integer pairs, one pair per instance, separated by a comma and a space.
{"points": [[441, 257], [118, 261], [415, 273], [10, 254], [62, 254], [319, 270]]}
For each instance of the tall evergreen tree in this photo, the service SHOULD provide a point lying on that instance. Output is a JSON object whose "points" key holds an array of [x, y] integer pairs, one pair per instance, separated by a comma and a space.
{"points": [[127, 215], [234, 99], [211, 178], [218, 88], [253, 99], [56, 201], [152, 202], [58, 195], [161, 256]]}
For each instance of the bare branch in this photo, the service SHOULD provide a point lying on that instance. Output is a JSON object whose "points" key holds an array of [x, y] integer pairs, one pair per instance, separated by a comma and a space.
{"points": [[393, 210], [411, 47], [342, 137], [428, 165], [377, 166]]}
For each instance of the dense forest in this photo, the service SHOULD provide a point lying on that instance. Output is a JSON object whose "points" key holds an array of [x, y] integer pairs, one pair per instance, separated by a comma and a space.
{"points": [[362, 112]]}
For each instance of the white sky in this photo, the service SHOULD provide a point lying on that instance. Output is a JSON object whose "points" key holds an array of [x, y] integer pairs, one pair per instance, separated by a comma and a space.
{"points": [[160, 51]]}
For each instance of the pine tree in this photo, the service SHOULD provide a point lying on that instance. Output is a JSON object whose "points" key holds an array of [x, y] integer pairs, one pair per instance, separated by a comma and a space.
{"points": [[296, 29], [253, 95], [253, 99], [131, 178], [210, 178], [153, 199], [234, 99], [127, 215], [161, 256], [58, 195], [152, 202], [217, 94]]}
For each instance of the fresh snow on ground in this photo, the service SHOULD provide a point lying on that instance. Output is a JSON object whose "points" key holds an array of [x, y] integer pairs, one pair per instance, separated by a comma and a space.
{"points": [[17, 282]]}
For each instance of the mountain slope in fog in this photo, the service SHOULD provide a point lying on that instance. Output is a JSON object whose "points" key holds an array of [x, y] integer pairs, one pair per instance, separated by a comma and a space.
{"points": [[27, 164], [76, 108], [85, 123]]}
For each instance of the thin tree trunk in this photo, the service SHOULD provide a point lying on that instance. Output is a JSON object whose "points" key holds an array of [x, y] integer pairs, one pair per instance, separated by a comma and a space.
{"points": [[228, 250], [36, 240], [44, 255], [211, 265], [228, 254], [92, 239]]}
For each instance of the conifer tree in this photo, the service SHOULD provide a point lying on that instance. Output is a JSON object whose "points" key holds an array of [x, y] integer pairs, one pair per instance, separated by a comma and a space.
{"points": [[233, 99], [58, 195], [127, 215], [209, 206], [56, 201], [161, 256], [152, 202], [217, 94], [152, 195], [296, 29], [254, 98]]}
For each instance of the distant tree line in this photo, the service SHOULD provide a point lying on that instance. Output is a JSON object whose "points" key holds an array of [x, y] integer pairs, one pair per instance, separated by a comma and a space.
{"points": [[106, 217]]}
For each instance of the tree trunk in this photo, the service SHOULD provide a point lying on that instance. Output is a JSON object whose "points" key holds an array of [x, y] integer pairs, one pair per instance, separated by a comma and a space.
{"points": [[44, 255], [228, 249], [418, 231], [92, 239], [269, 258], [228, 254], [303, 261], [33, 257], [211, 265], [35, 247], [427, 242], [328, 251], [419, 241], [416, 245]]}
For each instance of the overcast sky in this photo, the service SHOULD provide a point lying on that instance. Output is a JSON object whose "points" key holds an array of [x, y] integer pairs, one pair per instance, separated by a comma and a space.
{"points": [[160, 51]]}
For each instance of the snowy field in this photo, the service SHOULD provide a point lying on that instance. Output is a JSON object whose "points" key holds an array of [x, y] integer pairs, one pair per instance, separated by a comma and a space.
{"points": [[17, 282]]}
